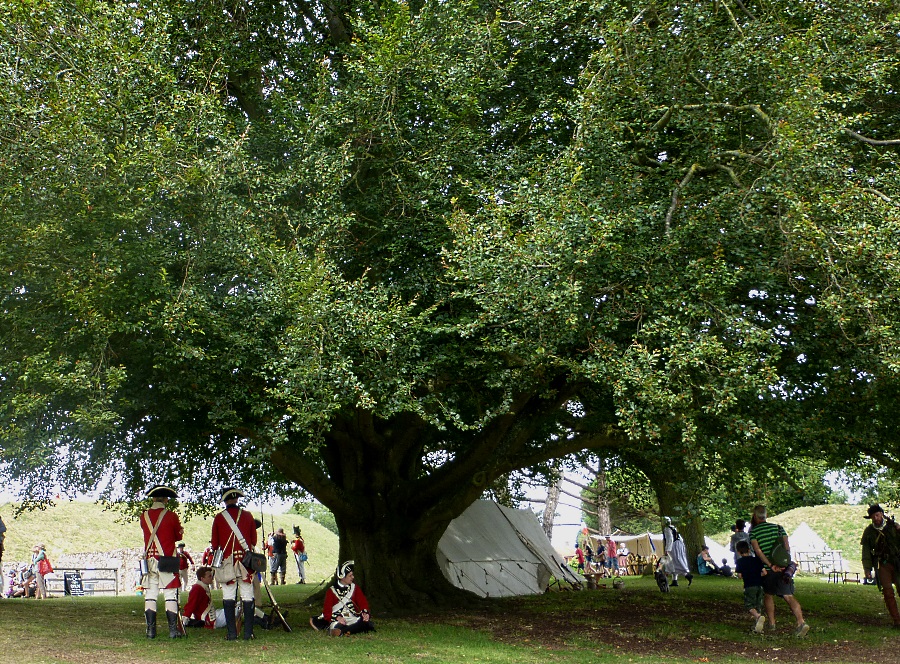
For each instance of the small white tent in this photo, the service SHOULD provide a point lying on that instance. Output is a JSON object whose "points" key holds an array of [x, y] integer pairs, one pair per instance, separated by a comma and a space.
{"points": [[812, 553], [806, 539], [718, 552], [645, 545], [496, 551]]}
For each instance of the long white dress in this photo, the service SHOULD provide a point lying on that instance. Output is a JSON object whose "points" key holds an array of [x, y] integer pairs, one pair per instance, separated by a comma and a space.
{"points": [[674, 544]]}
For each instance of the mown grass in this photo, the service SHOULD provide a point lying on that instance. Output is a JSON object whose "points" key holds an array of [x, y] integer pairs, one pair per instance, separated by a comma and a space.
{"points": [[638, 624]]}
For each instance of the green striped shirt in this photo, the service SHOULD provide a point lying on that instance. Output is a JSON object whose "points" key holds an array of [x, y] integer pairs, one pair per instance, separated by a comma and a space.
{"points": [[767, 535]]}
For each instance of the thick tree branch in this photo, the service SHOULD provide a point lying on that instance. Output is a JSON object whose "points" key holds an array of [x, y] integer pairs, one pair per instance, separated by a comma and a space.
{"points": [[756, 109], [472, 468], [752, 158], [300, 469], [871, 141], [881, 195], [685, 181]]}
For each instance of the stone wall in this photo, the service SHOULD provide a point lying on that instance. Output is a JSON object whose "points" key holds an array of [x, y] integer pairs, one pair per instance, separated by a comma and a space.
{"points": [[123, 563]]}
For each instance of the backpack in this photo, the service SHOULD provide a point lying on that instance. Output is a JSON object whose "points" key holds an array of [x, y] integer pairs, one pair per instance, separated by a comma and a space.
{"points": [[780, 556]]}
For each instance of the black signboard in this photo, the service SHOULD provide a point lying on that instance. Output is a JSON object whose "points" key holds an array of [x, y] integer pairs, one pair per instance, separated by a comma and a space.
{"points": [[73, 585]]}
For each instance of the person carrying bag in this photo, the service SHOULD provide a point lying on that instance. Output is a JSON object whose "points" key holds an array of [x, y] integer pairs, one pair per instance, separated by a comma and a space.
{"points": [[162, 529], [234, 532]]}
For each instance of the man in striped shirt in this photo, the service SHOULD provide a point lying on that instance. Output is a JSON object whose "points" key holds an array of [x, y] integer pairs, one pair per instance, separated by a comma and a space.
{"points": [[765, 538]]}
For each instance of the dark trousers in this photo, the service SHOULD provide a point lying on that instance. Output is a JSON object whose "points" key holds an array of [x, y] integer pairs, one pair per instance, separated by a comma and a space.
{"points": [[887, 575]]}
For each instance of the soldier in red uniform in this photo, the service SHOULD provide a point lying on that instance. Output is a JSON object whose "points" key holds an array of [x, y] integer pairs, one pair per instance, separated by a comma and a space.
{"points": [[207, 561], [234, 532], [162, 530], [298, 546], [185, 562], [345, 609], [199, 611]]}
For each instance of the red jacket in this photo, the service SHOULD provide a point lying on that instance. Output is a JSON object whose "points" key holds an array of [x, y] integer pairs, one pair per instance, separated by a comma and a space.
{"points": [[168, 533], [223, 536], [297, 546], [198, 601], [357, 603], [185, 560]]}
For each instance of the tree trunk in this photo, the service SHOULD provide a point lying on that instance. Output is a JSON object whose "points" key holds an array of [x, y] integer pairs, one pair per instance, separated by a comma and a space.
{"points": [[604, 524], [392, 503], [396, 570], [669, 493], [551, 505], [390, 511]]}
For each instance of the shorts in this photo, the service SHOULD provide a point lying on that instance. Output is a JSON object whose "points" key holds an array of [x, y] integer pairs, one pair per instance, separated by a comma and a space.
{"points": [[753, 598], [774, 584], [612, 563]]}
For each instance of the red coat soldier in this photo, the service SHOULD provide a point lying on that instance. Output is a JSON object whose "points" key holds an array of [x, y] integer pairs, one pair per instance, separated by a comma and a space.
{"points": [[162, 530], [234, 533]]}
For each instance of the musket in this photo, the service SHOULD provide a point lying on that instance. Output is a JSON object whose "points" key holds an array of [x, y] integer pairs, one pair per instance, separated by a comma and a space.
{"points": [[276, 610], [181, 627]]}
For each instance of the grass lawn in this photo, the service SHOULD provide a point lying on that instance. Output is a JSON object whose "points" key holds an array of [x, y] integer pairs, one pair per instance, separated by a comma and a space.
{"points": [[703, 623]]}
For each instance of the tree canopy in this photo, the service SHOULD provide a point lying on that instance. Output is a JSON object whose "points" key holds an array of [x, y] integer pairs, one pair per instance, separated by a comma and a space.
{"points": [[388, 252]]}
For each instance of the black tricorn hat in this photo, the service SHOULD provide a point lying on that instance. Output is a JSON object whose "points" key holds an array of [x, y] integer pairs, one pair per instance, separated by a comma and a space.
{"points": [[232, 492], [872, 510], [160, 491]]}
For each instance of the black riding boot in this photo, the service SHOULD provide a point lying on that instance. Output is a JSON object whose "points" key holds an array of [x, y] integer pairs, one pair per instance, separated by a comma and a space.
{"points": [[174, 631], [151, 623], [249, 617], [228, 607]]}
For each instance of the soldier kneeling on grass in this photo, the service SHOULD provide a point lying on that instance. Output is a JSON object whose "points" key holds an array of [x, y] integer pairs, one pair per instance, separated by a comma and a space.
{"points": [[345, 610]]}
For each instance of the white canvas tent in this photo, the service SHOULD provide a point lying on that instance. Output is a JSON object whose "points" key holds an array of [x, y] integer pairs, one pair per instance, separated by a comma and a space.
{"points": [[496, 551], [804, 538], [812, 553], [645, 545], [717, 552]]}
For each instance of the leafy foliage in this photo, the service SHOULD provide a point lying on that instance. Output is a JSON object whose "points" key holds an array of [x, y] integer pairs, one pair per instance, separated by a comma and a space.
{"points": [[390, 252]]}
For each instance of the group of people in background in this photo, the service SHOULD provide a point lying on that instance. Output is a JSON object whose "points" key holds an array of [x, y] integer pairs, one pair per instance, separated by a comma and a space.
{"points": [[761, 559], [610, 559], [232, 560], [29, 580]]}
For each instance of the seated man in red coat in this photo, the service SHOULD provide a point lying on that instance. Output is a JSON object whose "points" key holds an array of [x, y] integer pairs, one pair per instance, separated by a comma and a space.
{"points": [[199, 610], [346, 610]]}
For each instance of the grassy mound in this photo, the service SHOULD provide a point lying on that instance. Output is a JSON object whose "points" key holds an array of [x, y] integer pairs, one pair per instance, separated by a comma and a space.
{"points": [[86, 527]]}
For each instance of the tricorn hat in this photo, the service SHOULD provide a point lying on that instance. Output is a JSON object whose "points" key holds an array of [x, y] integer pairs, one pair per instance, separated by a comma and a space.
{"points": [[232, 492], [872, 510], [345, 569], [160, 491]]}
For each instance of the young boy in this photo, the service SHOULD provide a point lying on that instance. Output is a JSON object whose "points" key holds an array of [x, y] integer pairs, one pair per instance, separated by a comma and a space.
{"points": [[199, 611], [751, 570]]}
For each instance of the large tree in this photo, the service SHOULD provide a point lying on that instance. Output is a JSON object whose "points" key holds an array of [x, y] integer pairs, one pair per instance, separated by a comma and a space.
{"points": [[389, 252]]}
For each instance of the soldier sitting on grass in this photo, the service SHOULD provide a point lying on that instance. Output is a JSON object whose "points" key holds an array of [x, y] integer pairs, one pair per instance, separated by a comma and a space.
{"points": [[346, 610]]}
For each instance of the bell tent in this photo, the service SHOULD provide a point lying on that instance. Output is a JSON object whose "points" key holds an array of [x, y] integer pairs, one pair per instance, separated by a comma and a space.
{"points": [[496, 551]]}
